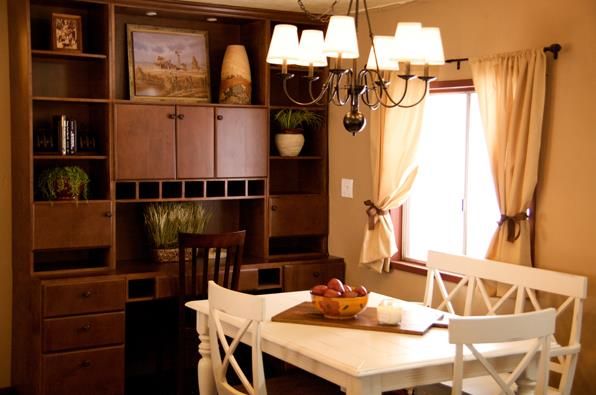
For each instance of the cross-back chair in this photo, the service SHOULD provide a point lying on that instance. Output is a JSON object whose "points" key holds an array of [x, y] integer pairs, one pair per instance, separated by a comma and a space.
{"points": [[524, 284], [215, 257], [250, 311], [469, 332]]}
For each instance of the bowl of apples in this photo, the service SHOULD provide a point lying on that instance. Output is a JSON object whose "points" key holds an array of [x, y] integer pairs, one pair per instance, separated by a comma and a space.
{"points": [[339, 301]]}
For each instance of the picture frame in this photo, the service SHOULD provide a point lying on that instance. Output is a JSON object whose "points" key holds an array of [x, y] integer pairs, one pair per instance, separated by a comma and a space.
{"points": [[67, 33], [168, 64]]}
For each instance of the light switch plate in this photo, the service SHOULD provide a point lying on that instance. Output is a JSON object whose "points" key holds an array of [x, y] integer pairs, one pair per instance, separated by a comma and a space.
{"points": [[347, 188]]}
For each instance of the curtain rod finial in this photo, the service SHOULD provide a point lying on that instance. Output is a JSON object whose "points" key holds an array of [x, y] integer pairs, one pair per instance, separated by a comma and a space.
{"points": [[554, 48]]}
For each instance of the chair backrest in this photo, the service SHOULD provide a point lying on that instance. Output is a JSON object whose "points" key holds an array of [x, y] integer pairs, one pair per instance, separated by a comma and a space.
{"points": [[250, 311], [227, 248], [524, 283], [537, 327]]}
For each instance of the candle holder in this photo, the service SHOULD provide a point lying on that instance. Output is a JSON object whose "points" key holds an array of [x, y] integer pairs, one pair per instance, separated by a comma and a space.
{"points": [[389, 312]]}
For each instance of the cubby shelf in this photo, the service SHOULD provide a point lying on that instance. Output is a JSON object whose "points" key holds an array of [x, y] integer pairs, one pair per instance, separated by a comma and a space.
{"points": [[181, 190], [69, 99], [69, 157], [42, 53]]}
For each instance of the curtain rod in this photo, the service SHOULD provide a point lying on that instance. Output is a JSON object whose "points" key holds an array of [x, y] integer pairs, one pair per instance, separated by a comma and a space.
{"points": [[554, 48]]}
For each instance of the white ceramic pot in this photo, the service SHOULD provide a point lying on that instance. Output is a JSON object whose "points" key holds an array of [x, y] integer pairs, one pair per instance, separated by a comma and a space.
{"points": [[289, 144], [235, 86]]}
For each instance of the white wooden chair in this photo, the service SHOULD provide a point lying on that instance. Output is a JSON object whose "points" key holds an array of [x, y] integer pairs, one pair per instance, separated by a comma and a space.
{"points": [[537, 326], [250, 311], [524, 283]]}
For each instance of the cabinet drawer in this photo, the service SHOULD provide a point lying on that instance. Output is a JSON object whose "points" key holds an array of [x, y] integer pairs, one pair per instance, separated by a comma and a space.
{"points": [[299, 277], [298, 215], [94, 372], [85, 331], [69, 298], [72, 225]]}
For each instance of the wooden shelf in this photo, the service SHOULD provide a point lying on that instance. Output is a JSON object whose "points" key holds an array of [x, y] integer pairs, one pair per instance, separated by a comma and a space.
{"points": [[69, 99], [41, 53], [314, 107], [69, 157], [275, 157]]}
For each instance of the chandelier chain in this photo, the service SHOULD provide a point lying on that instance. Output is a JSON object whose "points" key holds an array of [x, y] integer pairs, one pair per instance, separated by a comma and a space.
{"points": [[323, 17]]}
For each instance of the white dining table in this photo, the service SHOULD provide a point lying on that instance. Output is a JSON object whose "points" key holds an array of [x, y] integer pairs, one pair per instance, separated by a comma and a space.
{"points": [[362, 362]]}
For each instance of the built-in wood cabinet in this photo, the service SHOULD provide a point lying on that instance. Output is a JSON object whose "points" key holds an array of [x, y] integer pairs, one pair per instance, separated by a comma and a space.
{"points": [[77, 264]]}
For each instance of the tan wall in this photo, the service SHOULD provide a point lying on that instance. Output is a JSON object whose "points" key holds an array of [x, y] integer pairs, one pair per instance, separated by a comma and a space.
{"points": [[566, 211], [5, 211]]}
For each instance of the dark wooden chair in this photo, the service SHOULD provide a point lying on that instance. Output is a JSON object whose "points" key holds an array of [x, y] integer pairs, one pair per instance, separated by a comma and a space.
{"points": [[216, 257]]}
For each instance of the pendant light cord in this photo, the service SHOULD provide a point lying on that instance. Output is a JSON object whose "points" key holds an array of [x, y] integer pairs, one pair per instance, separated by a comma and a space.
{"points": [[324, 17]]}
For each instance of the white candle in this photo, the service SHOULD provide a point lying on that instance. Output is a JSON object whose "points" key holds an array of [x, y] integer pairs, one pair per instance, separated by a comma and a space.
{"points": [[389, 312]]}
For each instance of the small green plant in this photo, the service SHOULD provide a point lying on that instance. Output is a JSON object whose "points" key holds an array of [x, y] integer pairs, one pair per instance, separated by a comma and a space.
{"points": [[294, 119], [163, 221], [68, 182]]}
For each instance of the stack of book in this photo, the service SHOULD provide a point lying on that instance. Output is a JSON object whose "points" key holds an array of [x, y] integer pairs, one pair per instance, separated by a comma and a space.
{"points": [[66, 130]]}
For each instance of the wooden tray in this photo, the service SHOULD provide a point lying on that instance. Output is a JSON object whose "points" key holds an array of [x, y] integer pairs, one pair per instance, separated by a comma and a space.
{"points": [[416, 320]]}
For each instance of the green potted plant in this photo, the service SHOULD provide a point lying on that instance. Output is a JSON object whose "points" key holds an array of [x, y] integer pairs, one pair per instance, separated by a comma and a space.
{"points": [[163, 221], [290, 140], [63, 183]]}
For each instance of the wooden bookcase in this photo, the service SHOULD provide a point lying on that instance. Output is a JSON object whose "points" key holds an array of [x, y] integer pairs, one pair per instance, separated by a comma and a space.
{"points": [[80, 262]]}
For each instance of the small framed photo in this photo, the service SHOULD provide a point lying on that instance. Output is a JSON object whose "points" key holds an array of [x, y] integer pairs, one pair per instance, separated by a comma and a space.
{"points": [[168, 64], [67, 33]]}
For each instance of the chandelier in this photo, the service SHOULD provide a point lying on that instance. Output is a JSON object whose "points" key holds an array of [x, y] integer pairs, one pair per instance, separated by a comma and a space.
{"points": [[412, 45]]}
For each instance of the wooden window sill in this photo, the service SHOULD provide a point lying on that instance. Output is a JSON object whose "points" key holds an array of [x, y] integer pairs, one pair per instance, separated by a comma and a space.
{"points": [[420, 269]]}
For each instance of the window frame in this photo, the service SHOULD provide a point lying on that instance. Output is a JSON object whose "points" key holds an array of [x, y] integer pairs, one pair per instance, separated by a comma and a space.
{"points": [[398, 262]]}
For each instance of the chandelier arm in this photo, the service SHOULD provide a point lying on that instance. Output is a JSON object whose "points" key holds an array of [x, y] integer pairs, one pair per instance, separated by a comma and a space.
{"points": [[363, 78], [426, 83], [394, 103], [310, 103], [338, 77], [324, 88]]}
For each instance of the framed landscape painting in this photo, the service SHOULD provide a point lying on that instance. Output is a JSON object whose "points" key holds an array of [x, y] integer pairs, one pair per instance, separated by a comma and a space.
{"points": [[168, 64]]}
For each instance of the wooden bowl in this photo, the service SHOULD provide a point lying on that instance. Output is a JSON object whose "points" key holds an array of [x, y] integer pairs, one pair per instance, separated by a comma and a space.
{"points": [[339, 308]]}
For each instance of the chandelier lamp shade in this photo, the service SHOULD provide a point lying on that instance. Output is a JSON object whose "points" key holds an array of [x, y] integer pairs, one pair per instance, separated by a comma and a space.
{"points": [[411, 45]]}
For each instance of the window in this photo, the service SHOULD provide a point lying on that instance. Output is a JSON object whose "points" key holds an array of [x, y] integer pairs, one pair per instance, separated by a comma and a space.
{"points": [[452, 206]]}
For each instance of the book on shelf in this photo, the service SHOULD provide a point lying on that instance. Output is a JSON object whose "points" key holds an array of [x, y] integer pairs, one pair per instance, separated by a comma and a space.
{"points": [[66, 130]]}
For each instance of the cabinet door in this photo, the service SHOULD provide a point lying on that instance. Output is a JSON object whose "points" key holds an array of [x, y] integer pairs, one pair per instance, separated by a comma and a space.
{"points": [[300, 277], [145, 142], [297, 215], [241, 142], [194, 142], [72, 225]]}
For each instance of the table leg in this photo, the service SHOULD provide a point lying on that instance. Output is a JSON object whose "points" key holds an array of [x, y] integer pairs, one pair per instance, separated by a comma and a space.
{"points": [[204, 368], [526, 382], [364, 386]]}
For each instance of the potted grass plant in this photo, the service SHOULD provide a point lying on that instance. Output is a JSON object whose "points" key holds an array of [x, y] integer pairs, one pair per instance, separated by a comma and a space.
{"points": [[63, 183], [163, 221], [290, 140]]}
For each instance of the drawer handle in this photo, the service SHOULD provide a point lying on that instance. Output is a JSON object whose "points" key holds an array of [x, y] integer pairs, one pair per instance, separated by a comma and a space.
{"points": [[172, 116], [87, 294], [108, 214], [180, 116], [219, 117], [86, 327], [316, 274], [274, 208], [85, 363]]}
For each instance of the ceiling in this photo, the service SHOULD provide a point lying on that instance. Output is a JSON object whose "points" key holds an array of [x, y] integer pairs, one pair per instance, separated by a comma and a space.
{"points": [[315, 6]]}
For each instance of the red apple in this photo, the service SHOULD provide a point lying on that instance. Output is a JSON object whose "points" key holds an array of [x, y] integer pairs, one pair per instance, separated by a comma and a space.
{"points": [[332, 293], [336, 284], [360, 290], [319, 289], [347, 288], [351, 294]]}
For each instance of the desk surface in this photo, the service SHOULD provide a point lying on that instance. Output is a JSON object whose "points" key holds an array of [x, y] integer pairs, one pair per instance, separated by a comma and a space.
{"points": [[364, 362]]}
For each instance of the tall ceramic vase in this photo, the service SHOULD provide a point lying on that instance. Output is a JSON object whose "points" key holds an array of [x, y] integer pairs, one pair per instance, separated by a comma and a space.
{"points": [[235, 86]]}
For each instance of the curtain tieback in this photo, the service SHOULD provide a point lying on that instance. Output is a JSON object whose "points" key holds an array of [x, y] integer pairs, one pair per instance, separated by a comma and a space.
{"points": [[373, 211], [513, 226]]}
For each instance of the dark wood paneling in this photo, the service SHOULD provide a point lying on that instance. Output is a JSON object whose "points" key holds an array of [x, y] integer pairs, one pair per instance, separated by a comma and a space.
{"points": [[72, 225], [195, 142], [297, 215], [95, 372], [83, 296], [241, 142], [60, 334], [145, 142]]}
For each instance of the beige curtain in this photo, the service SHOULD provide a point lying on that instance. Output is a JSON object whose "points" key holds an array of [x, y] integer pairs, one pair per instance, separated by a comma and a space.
{"points": [[511, 90], [394, 135]]}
